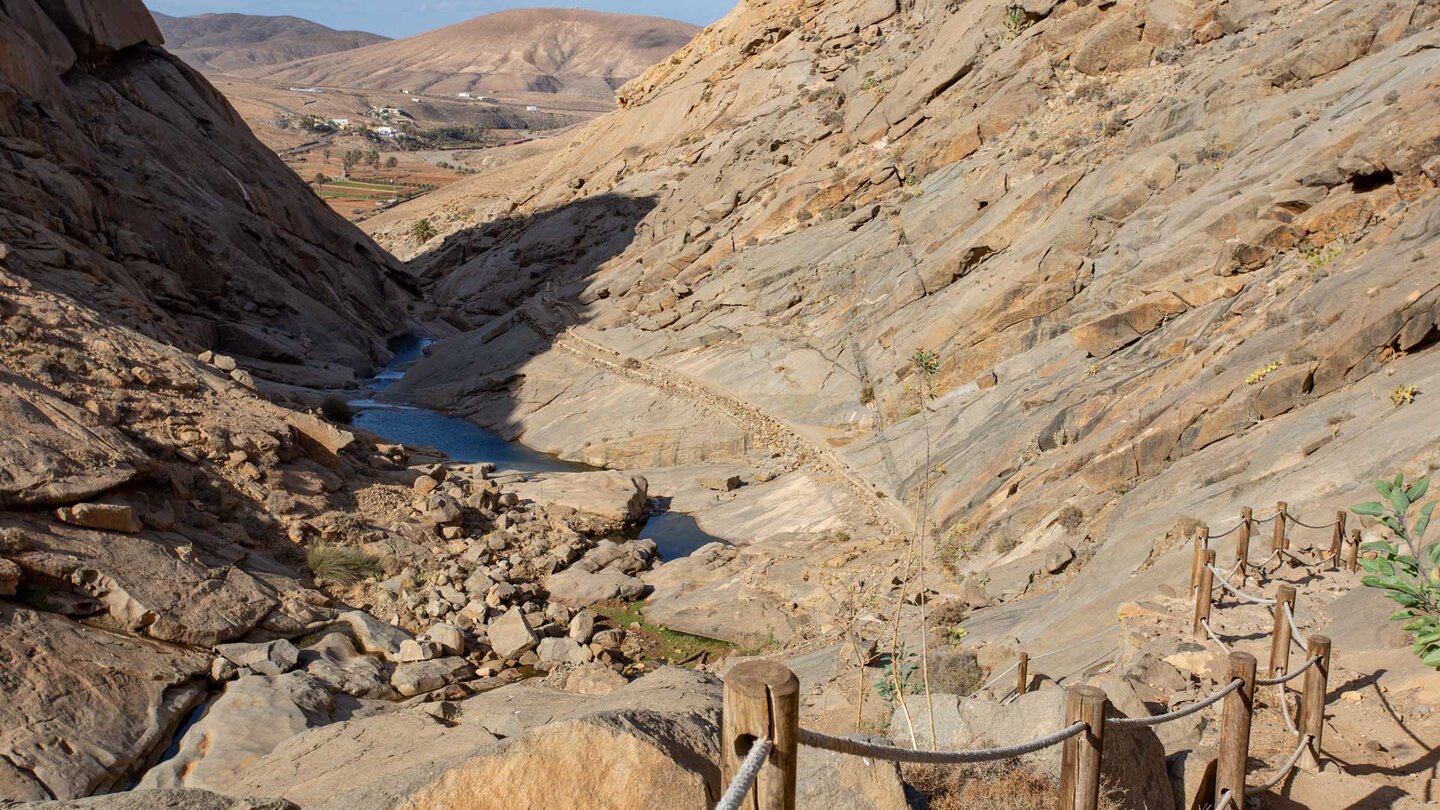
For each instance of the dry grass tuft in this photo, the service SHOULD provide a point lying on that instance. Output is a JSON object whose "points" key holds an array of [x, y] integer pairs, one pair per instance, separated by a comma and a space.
{"points": [[990, 786], [341, 565]]}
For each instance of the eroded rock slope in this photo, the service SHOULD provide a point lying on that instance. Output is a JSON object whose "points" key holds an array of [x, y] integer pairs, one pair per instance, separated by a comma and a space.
{"points": [[1170, 257]]}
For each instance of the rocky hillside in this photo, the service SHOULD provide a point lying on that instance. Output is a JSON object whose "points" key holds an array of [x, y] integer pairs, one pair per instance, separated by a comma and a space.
{"points": [[235, 43], [132, 186], [566, 51], [1159, 258]]}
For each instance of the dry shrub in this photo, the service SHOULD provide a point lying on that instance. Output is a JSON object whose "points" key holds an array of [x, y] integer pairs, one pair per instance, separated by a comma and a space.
{"points": [[341, 565], [955, 672], [990, 786]]}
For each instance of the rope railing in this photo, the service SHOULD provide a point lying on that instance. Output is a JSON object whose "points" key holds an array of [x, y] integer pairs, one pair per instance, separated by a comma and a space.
{"points": [[892, 753], [1198, 706], [745, 778], [1239, 594], [1225, 533], [1295, 634], [1283, 679], [1226, 802], [1298, 522], [1283, 771], [1215, 637]]}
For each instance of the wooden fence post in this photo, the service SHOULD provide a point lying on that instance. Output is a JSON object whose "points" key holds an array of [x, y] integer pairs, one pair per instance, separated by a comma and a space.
{"points": [[1242, 543], [1235, 730], [1312, 718], [1197, 552], [1337, 539], [1352, 557], [1022, 674], [1080, 755], [1277, 540], [1280, 635], [1202, 593], [761, 700]]}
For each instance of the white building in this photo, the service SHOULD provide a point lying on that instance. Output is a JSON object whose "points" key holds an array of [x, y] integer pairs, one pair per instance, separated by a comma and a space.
{"points": [[388, 132], [462, 95], [532, 108], [342, 123]]}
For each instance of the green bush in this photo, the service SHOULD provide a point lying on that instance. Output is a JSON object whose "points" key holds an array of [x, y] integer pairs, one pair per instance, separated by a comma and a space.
{"points": [[341, 565], [1406, 570]]}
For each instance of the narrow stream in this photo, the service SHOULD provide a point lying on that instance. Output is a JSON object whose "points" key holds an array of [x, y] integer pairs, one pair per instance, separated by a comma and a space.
{"points": [[676, 534]]}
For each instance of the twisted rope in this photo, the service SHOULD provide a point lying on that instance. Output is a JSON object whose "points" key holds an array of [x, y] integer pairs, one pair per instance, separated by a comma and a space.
{"points": [[1227, 799], [1283, 771], [1258, 521], [1298, 522], [846, 745], [1285, 710], [1157, 719], [1290, 676], [1307, 563], [1225, 583], [1225, 533], [1295, 634], [1211, 633], [746, 776]]}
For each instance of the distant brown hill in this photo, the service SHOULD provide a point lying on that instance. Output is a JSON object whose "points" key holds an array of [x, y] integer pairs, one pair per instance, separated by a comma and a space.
{"points": [[233, 43], [567, 51]]}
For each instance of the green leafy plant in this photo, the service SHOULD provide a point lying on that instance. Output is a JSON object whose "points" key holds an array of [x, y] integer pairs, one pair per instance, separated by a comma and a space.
{"points": [[1404, 394], [1016, 21], [1406, 569], [899, 678]]}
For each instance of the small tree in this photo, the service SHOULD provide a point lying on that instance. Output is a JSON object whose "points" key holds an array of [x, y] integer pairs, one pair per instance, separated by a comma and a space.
{"points": [[320, 179], [391, 162], [373, 158], [422, 231], [1409, 576], [326, 153]]}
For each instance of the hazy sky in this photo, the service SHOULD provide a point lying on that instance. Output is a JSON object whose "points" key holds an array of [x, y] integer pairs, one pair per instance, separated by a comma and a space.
{"points": [[399, 18]]}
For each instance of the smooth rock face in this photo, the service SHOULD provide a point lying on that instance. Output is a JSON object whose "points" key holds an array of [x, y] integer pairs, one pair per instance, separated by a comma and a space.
{"points": [[373, 635], [243, 725], [333, 660], [84, 707]]}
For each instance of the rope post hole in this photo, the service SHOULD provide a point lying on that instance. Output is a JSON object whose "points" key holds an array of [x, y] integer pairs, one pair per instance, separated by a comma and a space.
{"points": [[1080, 755], [1202, 593], [1337, 539], [1277, 540], [1280, 637], [761, 702], [1352, 557], [1312, 718], [1235, 728], [1242, 543], [1197, 554], [1022, 673]]}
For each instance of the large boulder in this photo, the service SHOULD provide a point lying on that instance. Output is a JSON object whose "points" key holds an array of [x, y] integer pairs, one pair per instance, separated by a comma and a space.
{"points": [[615, 496], [426, 676], [270, 658], [575, 586], [53, 452], [651, 743], [511, 634]]}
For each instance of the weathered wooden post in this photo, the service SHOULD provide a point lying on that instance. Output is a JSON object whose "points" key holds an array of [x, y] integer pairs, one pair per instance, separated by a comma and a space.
{"points": [[761, 701], [1337, 539], [1199, 542], [1280, 635], [1277, 540], [1242, 543], [1080, 755], [1202, 593], [1352, 557], [1312, 718], [1022, 673], [1235, 730]]}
